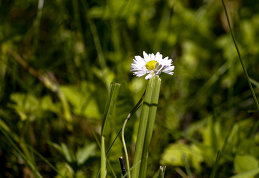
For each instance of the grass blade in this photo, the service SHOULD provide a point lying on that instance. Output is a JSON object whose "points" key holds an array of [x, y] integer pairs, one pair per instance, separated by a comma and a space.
{"points": [[103, 159], [240, 59], [109, 110], [10, 140]]}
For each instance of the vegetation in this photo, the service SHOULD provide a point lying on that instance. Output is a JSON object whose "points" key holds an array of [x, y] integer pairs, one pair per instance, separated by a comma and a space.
{"points": [[66, 85]]}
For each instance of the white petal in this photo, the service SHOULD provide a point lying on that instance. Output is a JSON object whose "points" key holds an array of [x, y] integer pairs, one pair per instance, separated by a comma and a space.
{"points": [[170, 68], [158, 57], [138, 66], [149, 76], [169, 72], [146, 56]]}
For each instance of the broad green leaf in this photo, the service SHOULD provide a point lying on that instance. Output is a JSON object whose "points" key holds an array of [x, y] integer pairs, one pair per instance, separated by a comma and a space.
{"points": [[244, 163], [48, 105], [27, 106], [82, 99], [30, 107], [175, 154]]}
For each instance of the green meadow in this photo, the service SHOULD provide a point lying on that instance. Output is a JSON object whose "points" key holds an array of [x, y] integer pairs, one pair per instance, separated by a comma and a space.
{"points": [[70, 106]]}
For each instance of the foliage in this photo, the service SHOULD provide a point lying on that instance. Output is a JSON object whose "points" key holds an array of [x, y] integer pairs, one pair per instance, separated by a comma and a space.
{"points": [[58, 59]]}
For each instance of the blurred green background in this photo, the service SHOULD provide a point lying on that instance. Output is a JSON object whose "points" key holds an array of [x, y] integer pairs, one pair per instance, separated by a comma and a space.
{"points": [[58, 58]]}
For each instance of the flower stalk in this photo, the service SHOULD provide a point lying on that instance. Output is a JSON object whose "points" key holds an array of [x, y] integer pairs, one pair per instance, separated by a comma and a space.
{"points": [[125, 148], [147, 119], [150, 66], [150, 125]]}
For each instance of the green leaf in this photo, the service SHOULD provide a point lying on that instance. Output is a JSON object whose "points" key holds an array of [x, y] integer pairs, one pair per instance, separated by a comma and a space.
{"points": [[109, 110], [63, 149], [247, 174], [84, 153], [27, 106], [244, 163], [48, 105], [66, 152], [82, 99], [176, 154]]}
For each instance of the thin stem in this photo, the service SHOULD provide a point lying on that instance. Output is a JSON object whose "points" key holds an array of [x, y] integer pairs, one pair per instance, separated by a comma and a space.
{"points": [[240, 59], [135, 108], [123, 128], [110, 167], [181, 173], [125, 147]]}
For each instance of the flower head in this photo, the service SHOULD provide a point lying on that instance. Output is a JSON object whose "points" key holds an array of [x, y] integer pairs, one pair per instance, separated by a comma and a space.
{"points": [[151, 64]]}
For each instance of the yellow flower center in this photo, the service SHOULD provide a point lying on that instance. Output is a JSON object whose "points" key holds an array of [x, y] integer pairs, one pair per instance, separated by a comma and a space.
{"points": [[150, 65]]}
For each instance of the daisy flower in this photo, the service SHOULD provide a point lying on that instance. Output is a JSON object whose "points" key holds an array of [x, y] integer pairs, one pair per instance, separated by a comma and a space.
{"points": [[151, 64]]}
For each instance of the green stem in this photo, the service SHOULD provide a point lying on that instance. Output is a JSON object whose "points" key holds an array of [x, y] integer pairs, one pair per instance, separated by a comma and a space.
{"points": [[125, 147], [240, 59], [142, 128], [123, 128], [150, 125], [103, 159], [136, 107]]}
